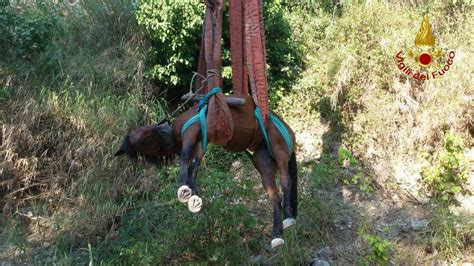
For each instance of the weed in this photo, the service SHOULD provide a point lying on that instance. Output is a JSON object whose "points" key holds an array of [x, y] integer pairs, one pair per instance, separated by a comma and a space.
{"points": [[379, 248], [449, 232], [344, 156], [448, 176]]}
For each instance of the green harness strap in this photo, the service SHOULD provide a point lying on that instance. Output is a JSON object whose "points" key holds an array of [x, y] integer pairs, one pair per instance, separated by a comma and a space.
{"points": [[279, 125], [201, 117]]}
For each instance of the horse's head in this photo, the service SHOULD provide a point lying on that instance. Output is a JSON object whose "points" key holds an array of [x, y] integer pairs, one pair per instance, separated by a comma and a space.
{"points": [[155, 143]]}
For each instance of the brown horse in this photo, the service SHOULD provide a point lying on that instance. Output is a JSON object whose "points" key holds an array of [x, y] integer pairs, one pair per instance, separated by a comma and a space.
{"points": [[161, 141]]}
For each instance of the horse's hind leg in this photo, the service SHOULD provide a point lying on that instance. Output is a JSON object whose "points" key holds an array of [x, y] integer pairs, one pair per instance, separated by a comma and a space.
{"points": [[267, 169], [288, 179], [286, 184]]}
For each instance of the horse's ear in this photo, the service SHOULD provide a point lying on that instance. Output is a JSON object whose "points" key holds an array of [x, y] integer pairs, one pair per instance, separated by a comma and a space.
{"points": [[125, 148], [164, 121]]}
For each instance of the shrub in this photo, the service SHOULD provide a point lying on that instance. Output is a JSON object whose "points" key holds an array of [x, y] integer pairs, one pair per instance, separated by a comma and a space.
{"points": [[344, 154], [379, 248], [175, 29], [448, 175], [26, 32]]}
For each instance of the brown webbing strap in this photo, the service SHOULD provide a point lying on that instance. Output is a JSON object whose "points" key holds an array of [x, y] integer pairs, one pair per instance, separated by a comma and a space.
{"points": [[220, 125], [237, 48], [248, 55], [248, 63], [255, 52]]}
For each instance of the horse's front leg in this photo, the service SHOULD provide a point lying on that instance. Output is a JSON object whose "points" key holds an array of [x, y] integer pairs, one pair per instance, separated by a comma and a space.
{"points": [[194, 167], [184, 191], [188, 170], [188, 143], [195, 202]]}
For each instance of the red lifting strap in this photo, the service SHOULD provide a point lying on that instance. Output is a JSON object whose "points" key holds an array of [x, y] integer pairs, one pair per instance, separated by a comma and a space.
{"points": [[248, 62], [237, 46], [247, 44], [219, 119]]}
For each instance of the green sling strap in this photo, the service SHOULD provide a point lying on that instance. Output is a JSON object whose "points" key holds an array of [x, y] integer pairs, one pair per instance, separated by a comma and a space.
{"points": [[201, 117], [279, 125]]}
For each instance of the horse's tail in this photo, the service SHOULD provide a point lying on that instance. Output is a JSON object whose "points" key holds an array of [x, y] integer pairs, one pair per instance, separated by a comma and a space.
{"points": [[292, 168]]}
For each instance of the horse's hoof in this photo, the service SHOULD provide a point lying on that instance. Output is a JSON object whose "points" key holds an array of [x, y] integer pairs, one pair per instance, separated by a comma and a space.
{"points": [[288, 222], [184, 193], [277, 242], [195, 204]]}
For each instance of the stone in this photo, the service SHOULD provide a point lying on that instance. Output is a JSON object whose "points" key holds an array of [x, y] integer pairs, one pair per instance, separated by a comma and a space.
{"points": [[318, 262], [324, 253], [418, 224], [256, 259]]}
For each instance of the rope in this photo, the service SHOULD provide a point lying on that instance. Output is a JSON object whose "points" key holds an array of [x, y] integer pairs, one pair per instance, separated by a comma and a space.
{"points": [[210, 73]]}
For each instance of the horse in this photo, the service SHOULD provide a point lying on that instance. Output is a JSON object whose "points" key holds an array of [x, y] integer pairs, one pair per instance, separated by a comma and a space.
{"points": [[159, 142]]}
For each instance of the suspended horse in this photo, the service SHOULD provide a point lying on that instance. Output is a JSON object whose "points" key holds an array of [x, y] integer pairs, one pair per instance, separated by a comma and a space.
{"points": [[239, 123]]}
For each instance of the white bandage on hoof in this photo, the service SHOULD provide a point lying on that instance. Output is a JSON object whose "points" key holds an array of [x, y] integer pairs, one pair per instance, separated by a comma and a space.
{"points": [[288, 222], [195, 204], [277, 242], [184, 193]]}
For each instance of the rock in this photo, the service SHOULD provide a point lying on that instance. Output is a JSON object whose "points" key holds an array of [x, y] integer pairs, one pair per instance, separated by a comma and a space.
{"points": [[419, 224], [237, 164], [19, 252], [440, 263], [465, 206], [256, 259], [324, 253], [318, 262]]}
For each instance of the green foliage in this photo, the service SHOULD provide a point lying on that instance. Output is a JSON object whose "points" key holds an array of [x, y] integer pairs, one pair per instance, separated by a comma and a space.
{"points": [[28, 31], [362, 182], [344, 155], [175, 28], [379, 248], [327, 173], [448, 176], [282, 47]]}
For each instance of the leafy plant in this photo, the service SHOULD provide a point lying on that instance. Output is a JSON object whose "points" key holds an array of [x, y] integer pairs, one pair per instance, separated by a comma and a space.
{"points": [[26, 32], [379, 248], [344, 155], [447, 176]]}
